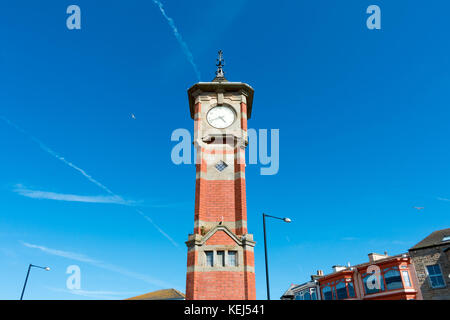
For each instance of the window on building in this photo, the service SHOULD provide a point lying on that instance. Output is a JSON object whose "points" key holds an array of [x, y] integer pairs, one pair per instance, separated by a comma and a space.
{"points": [[307, 295], [232, 258], [406, 279], [313, 294], [446, 238], [221, 258], [341, 291], [333, 289], [209, 258], [393, 279], [351, 289], [373, 284], [327, 293], [435, 275]]}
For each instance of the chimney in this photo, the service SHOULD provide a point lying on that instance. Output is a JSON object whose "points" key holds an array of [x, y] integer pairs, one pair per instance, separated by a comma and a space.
{"points": [[320, 273], [338, 268], [376, 256]]}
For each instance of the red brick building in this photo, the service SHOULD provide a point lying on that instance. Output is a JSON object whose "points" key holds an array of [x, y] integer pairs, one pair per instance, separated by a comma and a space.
{"points": [[220, 260], [382, 278]]}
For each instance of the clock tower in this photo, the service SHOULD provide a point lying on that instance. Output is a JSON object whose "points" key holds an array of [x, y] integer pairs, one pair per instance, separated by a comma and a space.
{"points": [[220, 259]]}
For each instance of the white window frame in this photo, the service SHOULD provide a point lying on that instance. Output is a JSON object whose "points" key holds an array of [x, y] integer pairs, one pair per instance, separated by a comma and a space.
{"points": [[236, 261], [220, 261], [206, 258], [440, 272], [403, 272]]}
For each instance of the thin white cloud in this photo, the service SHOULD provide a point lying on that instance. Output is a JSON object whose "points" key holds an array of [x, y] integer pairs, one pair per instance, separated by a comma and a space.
{"points": [[57, 156], [62, 254], [180, 40], [39, 194], [112, 295], [99, 264], [443, 199], [114, 197]]}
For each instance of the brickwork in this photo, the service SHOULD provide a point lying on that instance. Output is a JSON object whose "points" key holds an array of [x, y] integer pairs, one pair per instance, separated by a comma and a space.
{"points": [[232, 285], [220, 259], [220, 238], [192, 258]]}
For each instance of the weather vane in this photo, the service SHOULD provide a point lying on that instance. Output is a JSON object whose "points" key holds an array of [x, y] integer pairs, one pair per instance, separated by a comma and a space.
{"points": [[220, 64]]}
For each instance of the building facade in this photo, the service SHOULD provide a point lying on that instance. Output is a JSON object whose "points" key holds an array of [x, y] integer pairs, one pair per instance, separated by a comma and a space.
{"points": [[431, 259], [306, 291], [382, 278], [220, 259]]}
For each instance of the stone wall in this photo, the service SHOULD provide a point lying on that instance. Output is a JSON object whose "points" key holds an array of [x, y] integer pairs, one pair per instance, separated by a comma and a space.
{"points": [[430, 256]]}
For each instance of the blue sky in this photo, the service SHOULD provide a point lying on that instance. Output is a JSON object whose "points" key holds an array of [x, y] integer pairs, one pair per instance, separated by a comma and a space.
{"points": [[364, 136]]}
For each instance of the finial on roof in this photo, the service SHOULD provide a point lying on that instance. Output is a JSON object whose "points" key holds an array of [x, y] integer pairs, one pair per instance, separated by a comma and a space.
{"points": [[220, 74]]}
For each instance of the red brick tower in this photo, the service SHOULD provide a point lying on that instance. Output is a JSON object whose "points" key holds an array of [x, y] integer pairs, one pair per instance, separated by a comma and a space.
{"points": [[220, 259]]}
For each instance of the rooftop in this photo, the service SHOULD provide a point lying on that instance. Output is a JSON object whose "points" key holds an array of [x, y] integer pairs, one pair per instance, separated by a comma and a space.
{"points": [[380, 260], [437, 238], [165, 294]]}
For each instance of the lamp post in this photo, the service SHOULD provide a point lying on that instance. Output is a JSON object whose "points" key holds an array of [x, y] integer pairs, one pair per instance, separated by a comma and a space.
{"points": [[28, 273], [265, 248]]}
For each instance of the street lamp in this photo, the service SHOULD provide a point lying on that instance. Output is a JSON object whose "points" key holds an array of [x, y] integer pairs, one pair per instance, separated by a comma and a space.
{"points": [[28, 273], [265, 248]]}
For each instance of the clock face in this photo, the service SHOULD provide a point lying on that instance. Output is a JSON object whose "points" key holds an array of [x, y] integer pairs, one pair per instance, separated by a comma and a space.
{"points": [[220, 117]]}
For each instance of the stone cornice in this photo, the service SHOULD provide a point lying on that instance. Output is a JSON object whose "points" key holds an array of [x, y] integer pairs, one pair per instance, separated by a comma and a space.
{"points": [[222, 87], [199, 240]]}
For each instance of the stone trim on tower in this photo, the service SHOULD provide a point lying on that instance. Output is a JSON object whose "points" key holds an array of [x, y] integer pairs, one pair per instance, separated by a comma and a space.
{"points": [[220, 258]]}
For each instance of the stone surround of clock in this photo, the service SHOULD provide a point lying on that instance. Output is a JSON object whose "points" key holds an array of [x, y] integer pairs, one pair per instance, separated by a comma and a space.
{"points": [[221, 116]]}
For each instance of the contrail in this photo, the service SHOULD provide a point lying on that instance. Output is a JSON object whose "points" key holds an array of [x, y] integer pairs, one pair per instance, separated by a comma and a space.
{"points": [[70, 164], [39, 194], [57, 156], [87, 176], [158, 228], [180, 40]]}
